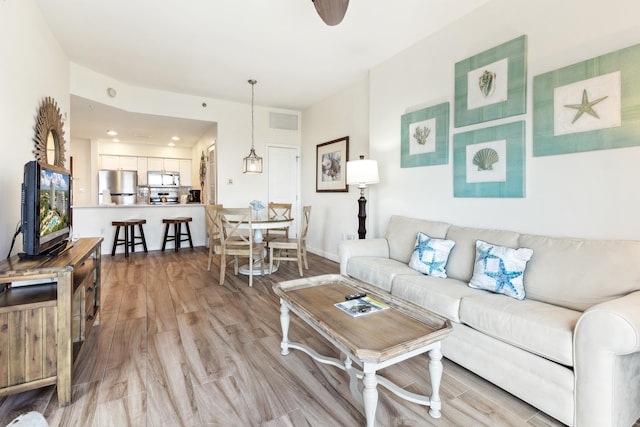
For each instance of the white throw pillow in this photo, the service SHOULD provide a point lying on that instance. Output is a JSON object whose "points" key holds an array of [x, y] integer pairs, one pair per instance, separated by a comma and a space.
{"points": [[430, 255], [499, 269]]}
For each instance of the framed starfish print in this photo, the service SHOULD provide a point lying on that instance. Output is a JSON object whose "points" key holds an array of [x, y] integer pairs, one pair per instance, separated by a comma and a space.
{"points": [[492, 84], [591, 105]]}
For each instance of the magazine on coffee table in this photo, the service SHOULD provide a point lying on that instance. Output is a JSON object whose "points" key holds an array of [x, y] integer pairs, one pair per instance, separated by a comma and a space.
{"points": [[361, 306]]}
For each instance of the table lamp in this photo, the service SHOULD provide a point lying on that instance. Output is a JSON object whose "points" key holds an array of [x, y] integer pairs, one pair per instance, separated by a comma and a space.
{"points": [[362, 172]]}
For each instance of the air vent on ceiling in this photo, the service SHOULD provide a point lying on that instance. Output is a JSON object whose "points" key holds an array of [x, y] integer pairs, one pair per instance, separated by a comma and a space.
{"points": [[283, 121]]}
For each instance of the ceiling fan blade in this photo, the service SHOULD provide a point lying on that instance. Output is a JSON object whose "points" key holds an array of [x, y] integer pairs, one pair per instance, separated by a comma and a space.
{"points": [[331, 11]]}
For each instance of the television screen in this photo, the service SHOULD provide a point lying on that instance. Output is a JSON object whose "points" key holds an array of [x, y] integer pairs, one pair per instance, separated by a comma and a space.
{"points": [[46, 208]]}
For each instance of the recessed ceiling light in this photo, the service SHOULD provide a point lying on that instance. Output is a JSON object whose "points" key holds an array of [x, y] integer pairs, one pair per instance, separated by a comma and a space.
{"points": [[171, 144], [115, 140], [112, 132], [175, 138]]}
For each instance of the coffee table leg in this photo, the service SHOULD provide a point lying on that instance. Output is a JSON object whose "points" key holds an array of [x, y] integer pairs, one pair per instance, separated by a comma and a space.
{"points": [[284, 324], [435, 373], [370, 396]]}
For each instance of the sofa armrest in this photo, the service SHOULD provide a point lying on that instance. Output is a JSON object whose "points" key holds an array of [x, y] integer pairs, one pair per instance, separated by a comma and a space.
{"points": [[607, 362], [365, 247]]}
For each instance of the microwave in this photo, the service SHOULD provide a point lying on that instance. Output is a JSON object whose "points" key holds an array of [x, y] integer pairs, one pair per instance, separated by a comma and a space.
{"points": [[163, 179]]}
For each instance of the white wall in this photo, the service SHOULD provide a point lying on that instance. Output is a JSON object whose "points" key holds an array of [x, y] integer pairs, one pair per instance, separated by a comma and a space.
{"points": [[233, 127], [334, 215], [33, 67], [591, 194]]}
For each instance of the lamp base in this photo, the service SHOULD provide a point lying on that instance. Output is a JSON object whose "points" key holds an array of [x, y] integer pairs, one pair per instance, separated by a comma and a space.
{"points": [[362, 217]]}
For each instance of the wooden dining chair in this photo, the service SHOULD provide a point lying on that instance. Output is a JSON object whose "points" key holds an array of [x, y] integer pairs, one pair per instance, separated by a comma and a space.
{"points": [[281, 249], [213, 232], [238, 242], [278, 211]]}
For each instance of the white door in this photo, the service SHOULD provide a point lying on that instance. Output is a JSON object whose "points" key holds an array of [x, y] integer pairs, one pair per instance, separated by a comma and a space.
{"points": [[284, 177]]}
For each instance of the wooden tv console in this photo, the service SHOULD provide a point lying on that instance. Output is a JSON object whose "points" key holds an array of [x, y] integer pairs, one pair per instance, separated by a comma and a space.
{"points": [[43, 326]]}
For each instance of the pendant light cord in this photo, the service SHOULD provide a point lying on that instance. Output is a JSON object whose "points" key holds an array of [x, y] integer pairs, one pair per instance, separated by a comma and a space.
{"points": [[253, 83]]}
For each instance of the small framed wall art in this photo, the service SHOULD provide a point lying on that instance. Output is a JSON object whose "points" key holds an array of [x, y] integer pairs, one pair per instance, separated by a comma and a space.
{"points": [[425, 137], [489, 162], [591, 105], [331, 160], [492, 84]]}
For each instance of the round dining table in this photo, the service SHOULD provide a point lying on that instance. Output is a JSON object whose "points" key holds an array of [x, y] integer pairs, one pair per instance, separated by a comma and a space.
{"points": [[258, 225]]}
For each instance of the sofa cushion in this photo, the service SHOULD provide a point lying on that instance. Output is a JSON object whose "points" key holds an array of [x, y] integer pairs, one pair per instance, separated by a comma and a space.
{"points": [[543, 329], [442, 296], [430, 255], [377, 271], [578, 273], [500, 269], [463, 255], [402, 231]]}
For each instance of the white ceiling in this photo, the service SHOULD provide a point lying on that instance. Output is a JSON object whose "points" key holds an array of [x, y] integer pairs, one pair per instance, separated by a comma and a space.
{"points": [[211, 48], [92, 120]]}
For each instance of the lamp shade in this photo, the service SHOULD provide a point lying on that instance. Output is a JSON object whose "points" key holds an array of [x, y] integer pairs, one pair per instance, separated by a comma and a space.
{"points": [[362, 172]]}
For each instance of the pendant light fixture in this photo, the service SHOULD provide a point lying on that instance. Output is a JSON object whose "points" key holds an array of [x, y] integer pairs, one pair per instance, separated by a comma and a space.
{"points": [[252, 163]]}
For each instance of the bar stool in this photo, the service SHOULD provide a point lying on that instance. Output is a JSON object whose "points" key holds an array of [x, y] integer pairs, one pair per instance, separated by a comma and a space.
{"points": [[130, 240], [177, 236]]}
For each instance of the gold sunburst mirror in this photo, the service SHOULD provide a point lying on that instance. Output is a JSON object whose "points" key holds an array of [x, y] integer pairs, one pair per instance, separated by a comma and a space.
{"points": [[49, 136]]}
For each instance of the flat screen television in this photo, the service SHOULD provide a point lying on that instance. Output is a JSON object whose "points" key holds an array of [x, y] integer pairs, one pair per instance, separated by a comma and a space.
{"points": [[46, 208]]}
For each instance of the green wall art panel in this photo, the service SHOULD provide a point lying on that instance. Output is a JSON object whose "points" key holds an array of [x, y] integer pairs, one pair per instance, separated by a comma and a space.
{"points": [[425, 137], [492, 84], [591, 105], [489, 162]]}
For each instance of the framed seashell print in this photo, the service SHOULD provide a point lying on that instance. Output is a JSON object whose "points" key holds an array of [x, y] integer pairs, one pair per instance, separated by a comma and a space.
{"points": [[331, 158], [492, 84], [424, 137], [489, 162], [590, 105]]}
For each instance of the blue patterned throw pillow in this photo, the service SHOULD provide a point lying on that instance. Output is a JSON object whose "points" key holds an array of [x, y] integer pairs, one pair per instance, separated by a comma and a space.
{"points": [[430, 255], [499, 269]]}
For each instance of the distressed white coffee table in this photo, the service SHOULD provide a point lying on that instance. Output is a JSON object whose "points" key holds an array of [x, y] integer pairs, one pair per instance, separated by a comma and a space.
{"points": [[373, 341]]}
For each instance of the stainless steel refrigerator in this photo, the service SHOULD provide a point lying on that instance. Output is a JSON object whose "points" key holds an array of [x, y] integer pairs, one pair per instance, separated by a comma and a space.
{"points": [[121, 184]]}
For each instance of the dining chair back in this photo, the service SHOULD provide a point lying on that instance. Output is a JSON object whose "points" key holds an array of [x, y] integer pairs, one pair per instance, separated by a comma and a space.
{"points": [[236, 240], [213, 232], [278, 211], [281, 249]]}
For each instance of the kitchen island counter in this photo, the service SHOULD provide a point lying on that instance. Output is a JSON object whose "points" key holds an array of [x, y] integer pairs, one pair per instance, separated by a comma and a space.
{"points": [[91, 221]]}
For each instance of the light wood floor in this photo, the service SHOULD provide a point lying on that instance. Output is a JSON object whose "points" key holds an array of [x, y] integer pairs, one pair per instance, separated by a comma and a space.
{"points": [[176, 349]]}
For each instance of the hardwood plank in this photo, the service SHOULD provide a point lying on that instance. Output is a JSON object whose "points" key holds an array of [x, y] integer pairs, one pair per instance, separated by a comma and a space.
{"points": [[170, 393], [130, 410]]}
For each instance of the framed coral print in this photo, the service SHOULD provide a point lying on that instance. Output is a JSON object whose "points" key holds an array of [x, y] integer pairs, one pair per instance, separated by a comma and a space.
{"points": [[591, 105], [492, 84], [425, 137], [489, 162], [331, 159]]}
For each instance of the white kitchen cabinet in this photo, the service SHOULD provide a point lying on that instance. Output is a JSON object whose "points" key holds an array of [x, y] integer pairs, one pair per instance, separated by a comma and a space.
{"points": [[142, 171], [155, 164], [109, 162], [171, 165], [118, 162], [128, 163], [185, 172]]}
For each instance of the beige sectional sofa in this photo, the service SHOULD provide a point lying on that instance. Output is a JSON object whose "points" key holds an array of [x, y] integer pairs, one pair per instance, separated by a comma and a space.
{"points": [[571, 347]]}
